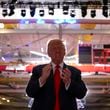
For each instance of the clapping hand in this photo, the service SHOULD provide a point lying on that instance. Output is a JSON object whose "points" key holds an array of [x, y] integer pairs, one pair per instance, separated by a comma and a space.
{"points": [[45, 73], [66, 76]]}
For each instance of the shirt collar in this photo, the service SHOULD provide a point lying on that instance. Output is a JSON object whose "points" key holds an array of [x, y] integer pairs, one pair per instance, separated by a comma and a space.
{"points": [[61, 65]]}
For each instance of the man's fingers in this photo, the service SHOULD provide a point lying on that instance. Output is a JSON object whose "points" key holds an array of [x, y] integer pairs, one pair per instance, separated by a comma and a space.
{"points": [[47, 67], [67, 72]]}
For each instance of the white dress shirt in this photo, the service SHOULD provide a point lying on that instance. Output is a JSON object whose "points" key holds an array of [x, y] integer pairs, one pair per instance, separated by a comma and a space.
{"points": [[60, 69]]}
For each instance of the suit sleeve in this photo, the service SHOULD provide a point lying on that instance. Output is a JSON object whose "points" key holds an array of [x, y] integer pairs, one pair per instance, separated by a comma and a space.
{"points": [[77, 87], [33, 88]]}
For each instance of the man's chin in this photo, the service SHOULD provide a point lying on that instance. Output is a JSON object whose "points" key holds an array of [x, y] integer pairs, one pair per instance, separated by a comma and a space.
{"points": [[57, 61]]}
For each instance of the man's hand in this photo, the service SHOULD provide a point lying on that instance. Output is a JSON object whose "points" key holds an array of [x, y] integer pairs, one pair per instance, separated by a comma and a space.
{"points": [[66, 76], [45, 74]]}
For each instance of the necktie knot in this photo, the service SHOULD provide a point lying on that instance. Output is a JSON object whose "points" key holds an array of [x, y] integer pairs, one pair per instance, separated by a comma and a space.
{"points": [[57, 67]]}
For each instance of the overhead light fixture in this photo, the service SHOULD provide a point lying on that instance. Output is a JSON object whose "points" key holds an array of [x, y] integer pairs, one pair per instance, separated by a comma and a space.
{"points": [[93, 13], [105, 11], [32, 9], [65, 8], [11, 7], [51, 9], [4, 12], [84, 11], [4, 8], [11, 12], [72, 13], [41, 12], [23, 12], [58, 4]]}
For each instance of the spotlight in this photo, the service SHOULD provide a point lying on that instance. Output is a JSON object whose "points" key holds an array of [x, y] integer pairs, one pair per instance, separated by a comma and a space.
{"points": [[4, 12], [11, 12], [11, 7], [84, 11], [58, 4], [4, 7], [23, 12], [105, 11], [3, 4], [32, 10], [51, 9], [65, 8], [41, 12], [93, 13], [72, 13]]}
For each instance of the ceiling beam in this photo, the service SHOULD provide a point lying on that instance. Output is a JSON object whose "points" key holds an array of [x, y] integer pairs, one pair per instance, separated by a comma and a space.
{"points": [[47, 31]]}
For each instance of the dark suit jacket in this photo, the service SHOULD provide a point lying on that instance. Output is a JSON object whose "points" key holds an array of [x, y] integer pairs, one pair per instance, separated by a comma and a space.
{"points": [[44, 97]]}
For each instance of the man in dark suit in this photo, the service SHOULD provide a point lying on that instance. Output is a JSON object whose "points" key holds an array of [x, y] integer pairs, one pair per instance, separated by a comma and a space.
{"points": [[41, 84]]}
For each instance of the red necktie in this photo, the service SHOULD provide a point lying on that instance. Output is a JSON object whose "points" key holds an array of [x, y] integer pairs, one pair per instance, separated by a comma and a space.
{"points": [[57, 86]]}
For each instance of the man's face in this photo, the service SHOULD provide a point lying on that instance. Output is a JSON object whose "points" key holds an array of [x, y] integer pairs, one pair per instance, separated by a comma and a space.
{"points": [[56, 51]]}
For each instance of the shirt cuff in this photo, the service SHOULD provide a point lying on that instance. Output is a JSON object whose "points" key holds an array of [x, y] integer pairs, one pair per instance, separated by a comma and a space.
{"points": [[41, 83], [67, 85]]}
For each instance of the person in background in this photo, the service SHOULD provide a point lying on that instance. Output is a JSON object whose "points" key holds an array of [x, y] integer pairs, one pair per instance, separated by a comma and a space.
{"points": [[41, 86]]}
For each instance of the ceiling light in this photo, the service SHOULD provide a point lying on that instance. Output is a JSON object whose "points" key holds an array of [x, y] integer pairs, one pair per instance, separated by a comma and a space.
{"points": [[105, 11], [23, 12], [4, 12], [84, 11], [51, 9], [11, 7], [72, 13], [32, 9], [65, 8], [11, 12], [58, 4], [93, 13], [41, 12]]}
